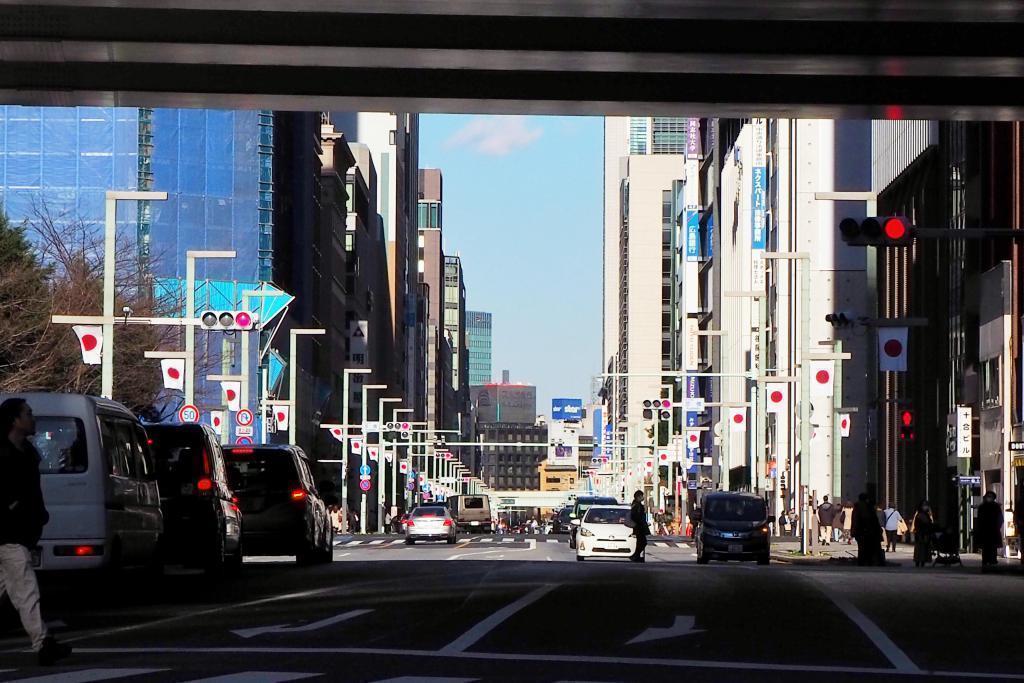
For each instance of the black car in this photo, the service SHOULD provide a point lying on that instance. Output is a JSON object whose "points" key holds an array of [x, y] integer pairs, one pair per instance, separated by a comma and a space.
{"points": [[284, 512], [733, 526], [561, 521], [580, 507], [202, 524]]}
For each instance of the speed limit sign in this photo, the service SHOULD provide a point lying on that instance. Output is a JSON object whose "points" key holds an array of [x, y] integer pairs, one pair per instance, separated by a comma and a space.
{"points": [[188, 413]]}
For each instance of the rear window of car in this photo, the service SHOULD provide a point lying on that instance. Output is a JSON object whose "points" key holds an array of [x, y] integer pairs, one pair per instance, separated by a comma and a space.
{"points": [[585, 505], [257, 471], [598, 515], [735, 509], [61, 445], [473, 503], [181, 458], [428, 512], [564, 515]]}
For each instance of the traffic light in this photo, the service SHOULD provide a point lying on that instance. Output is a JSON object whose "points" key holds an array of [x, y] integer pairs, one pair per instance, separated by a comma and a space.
{"points": [[225, 321], [907, 425], [661, 406], [839, 319], [877, 231]]}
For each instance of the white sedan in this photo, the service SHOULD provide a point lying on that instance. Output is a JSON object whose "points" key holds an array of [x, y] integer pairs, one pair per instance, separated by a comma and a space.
{"points": [[604, 532], [430, 523]]}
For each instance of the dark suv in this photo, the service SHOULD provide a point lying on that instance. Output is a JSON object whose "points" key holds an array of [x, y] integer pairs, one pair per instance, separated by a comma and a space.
{"points": [[284, 512], [202, 524], [733, 526], [561, 521]]}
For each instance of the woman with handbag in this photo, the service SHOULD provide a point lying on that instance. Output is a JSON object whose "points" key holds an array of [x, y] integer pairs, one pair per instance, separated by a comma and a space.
{"points": [[892, 519]]}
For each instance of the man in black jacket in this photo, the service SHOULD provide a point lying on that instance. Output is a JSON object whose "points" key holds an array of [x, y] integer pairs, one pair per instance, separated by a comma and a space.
{"points": [[989, 529], [22, 517], [638, 516]]}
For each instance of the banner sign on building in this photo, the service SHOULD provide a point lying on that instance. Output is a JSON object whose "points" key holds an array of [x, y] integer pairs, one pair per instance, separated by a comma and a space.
{"points": [[692, 391], [692, 235], [358, 331], [758, 188], [709, 237], [567, 409]]}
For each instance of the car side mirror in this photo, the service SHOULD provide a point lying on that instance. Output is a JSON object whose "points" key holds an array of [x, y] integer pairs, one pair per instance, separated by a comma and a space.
{"points": [[575, 522]]}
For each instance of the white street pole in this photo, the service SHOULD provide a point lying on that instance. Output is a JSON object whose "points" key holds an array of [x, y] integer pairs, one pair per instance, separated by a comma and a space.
{"points": [[109, 266], [362, 499], [382, 449], [293, 390], [190, 316], [346, 373], [261, 403], [394, 461]]}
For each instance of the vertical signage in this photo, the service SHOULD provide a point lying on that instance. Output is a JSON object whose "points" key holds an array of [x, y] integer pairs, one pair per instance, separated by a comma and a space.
{"points": [[692, 190], [692, 391], [964, 431], [758, 188]]}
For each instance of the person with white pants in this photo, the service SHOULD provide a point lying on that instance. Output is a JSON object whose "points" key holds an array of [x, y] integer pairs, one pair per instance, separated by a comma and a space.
{"points": [[22, 517]]}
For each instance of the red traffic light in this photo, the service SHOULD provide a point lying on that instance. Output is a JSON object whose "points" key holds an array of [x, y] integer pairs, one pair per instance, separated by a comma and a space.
{"points": [[907, 418], [878, 231], [895, 228]]}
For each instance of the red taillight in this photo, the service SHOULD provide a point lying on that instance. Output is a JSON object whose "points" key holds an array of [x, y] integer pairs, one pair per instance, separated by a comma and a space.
{"points": [[206, 462], [204, 484], [83, 550], [409, 523], [149, 442], [447, 522], [234, 499], [241, 451], [298, 494]]}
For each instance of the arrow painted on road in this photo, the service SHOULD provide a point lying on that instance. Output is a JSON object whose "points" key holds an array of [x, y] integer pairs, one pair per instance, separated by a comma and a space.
{"points": [[682, 627], [312, 626]]}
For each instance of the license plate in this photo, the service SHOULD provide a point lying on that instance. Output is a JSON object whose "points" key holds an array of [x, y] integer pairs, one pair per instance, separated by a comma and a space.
{"points": [[474, 523], [37, 557], [735, 548]]}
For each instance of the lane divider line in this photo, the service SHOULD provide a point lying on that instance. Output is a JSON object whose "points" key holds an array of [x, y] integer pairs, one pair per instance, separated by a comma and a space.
{"points": [[481, 629]]}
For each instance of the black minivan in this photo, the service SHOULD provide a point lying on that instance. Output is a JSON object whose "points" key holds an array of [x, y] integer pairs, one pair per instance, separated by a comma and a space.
{"points": [[202, 524], [733, 526], [284, 512]]}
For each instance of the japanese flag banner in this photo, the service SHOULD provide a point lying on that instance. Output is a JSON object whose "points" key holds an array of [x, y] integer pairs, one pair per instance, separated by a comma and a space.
{"points": [[282, 414], [777, 397], [232, 395], [357, 445], [174, 373], [737, 419], [90, 341], [822, 377], [338, 433], [844, 424], [892, 349], [217, 419]]}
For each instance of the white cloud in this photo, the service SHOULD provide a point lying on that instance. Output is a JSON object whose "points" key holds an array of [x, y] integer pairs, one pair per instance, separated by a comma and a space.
{"points": [[494, 135]]}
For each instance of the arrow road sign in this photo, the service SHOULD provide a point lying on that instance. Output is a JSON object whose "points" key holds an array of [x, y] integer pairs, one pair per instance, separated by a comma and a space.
{"points": [[312, 626], [682, 627], [244, 417]]}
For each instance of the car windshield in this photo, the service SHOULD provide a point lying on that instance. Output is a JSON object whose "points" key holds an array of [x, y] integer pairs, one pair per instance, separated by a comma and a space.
{"points": [[473, 503], [258, 471], [61, 445], [428, 512], [606, 516], [734, 510], [585, 505]]}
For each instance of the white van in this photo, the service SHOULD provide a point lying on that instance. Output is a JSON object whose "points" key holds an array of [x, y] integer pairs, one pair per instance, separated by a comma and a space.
{"points": [[471, 512], [99, 483]]}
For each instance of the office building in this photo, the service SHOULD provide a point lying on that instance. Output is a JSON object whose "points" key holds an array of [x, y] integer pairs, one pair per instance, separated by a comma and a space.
{"points": [[504, 402], [479, 339], [513, 467]]}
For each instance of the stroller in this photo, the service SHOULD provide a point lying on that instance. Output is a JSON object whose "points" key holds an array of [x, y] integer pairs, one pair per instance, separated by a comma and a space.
{"points": [[946, 548]]}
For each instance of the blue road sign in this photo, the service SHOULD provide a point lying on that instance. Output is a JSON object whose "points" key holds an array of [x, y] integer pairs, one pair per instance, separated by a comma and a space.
{"points": [[364, 469], [425, 487]]}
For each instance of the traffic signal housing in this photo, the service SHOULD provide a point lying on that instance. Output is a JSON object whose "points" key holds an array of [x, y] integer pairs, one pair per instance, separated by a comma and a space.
{"points": [[839, 319], [227, 321], [657, 408], [907, 432], [877, 231]]}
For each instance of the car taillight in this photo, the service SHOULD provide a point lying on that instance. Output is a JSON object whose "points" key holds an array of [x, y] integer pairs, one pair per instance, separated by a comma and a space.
{"points": [[447, 522], [204, 484], [409, 523], [298, 494], [234, 499], [206, 462]]}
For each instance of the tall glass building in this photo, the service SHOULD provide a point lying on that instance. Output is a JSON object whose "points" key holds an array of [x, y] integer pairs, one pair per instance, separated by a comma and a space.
{"points": [[478, 329]]}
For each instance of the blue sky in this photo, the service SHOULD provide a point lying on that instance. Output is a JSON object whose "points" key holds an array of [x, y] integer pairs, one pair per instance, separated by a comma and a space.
{"points": [[523, 207]]}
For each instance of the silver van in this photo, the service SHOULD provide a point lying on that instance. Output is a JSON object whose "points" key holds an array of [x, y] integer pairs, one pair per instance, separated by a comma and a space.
{"points": [[99, 483]]}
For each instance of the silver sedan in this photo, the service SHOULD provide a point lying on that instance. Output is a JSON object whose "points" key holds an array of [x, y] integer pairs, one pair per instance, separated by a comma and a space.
{"points": [[430, 523]]}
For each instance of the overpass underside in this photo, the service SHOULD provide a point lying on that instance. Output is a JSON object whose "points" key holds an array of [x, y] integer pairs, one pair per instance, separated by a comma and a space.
{"points": [[785, 58]]}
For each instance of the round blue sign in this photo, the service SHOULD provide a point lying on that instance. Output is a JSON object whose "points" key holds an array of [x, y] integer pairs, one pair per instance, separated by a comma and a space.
{"points": [[426, 488], [364, 469]]}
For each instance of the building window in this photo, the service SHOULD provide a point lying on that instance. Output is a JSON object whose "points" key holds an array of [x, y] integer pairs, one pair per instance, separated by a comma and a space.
{"points": [[990, 394]]}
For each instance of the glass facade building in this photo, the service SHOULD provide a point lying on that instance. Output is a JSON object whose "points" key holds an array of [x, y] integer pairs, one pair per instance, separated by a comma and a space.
{"points": [[657, 135], [478, 330]]}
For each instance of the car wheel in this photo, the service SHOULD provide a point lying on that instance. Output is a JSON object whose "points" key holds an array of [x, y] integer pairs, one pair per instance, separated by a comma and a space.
{"points": [[216, 560], [233, 566], [410, 541], [572, 543], [764, 559], [702, 558], [451, 540]]}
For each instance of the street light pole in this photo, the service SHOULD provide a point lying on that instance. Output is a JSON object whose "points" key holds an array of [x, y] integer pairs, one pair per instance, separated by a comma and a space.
{"points": [[382, 449], [362, 499], [293, 374], [346, 373], [394, 461]]}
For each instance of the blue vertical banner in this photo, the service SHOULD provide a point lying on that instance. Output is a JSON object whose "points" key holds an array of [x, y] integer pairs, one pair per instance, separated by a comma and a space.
{"points": [[709, 238], [758, 188], [692, 235], [692, 391]]}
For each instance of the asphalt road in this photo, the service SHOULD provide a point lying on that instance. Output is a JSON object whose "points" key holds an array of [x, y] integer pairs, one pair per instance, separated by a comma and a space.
{"points": [[513, 610]]}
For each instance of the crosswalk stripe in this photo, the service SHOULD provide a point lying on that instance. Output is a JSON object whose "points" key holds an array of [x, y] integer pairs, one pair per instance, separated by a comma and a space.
{"points": [[377, 542], [257, 677], [486, 540], [551, 540], [353, 543], [508, 540], [87, 675]]}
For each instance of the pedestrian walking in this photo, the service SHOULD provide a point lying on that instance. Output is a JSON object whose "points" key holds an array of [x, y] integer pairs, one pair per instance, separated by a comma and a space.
{"points": [[638, 518], [826, 513], [989, 532], [22, 518], [867, 531], [783, 524], [923, 526], [891, 519], [794, 523], [847, 522]]}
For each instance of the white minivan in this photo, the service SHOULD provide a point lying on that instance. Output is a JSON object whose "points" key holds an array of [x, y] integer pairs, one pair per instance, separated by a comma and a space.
{"points": [[99, 484]]}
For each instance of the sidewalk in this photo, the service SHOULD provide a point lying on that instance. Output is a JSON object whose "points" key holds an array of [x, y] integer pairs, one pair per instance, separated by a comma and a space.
{"points": [[787, 549]]}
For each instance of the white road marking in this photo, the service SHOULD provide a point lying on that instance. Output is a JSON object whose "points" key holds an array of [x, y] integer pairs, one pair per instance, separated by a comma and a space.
{"points": [[257, 677], [683, 626], [893, 653], [478, 631], [87, 675], [312, 626], [379, 541], [486, 540], [508, 540], [353, 543], [551, 540], [563, 659]]}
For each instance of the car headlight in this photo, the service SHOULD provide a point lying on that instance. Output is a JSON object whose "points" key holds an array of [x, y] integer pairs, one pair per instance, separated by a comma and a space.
{"points": [[584, 531]]}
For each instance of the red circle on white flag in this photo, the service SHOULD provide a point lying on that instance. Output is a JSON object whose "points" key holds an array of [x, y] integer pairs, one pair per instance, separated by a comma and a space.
{"points": [[336, 431], [280, 417], [173, 373], [663, 456], [823, 376], [230, 393], [216, 422], [776, 396], [893, 348], [693, 438], [89, 342], [845, 423], [738, 418]]}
